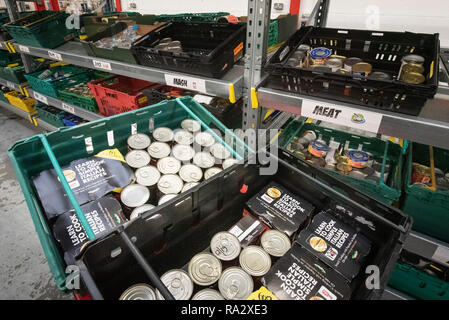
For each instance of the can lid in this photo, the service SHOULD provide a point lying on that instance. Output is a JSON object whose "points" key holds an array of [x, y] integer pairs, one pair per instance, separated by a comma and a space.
{"points": [[147, 176], [139, 141], [255, 261], [219, 151], [163, 134], [379, 75], [137, 158], [413, 58], [275, 243], [225, 246], [203, 160], [134, 195], [139, 291], [178, 283], [204, 139], [356, 155], [235, 284], [168, 165], [165, 198], [208, 294], [189, 185], [320, 53], [320, 146], [211, 172], [204, 269], [183, 152], [229, 163], [183, 137], [334, 62], [137, 211], [352, 61], [191, 125], [190, 173], [159, 150], [170, 183]]}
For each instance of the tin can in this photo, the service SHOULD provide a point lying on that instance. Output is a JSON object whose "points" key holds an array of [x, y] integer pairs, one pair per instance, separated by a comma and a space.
{"points": [[349, 62], [307, 137], [189, 185], [163, 134], [168, 165], [318, 148], [362, 67], [147, 176], [235, 284], [303, 48], [319, 55], [225, 246], [412, 78], [183, 137], [275, 243], [334, 64], [139, 291], [137, 158], [204, 139], [412, 67], [138, 141], [211, 172], [335, 56], [191, 125], [413, 58], [137, 211], [255, 261], [229, 163], [178, 283], [204, 269], [378, 75], [159, 150], [190, 173], [134, 195], [170, 184], [208, 294], [165, 198], [358, 159], [203, 160], [183, 152], [219, 151]]}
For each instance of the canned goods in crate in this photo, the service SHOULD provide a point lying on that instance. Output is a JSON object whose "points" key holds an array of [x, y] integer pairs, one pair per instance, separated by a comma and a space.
{"points": [[191, 125], [203, 160], [137, 158], [138, 141], [189, 185], [147, 176], [229, 163], [219, 151], [139, 291], [190, 173], [170, 183], [318, 148], [235, 284], [349, 62], [208, 294], [178, 283], [307, 137], [255, 261], [211, 172], [137, 211], [319, 55], [379, 75], [204, 139], [166, 198], [204, 269], [183, 137], [334, 63], [183, 152], [362, 67], [358, 159], [412, 67], [163, 134], [225, 246], [134, 195], [159, 150], [275, 243], [413, 78], [413, 58], [168, 165]]}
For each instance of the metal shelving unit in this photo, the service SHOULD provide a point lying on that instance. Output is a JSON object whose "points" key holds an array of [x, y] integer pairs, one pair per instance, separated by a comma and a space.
{"points": [[44, 125]]}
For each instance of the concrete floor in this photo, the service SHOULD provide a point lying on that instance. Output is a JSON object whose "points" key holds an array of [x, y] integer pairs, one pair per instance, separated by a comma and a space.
{"points": [[24, 273]]}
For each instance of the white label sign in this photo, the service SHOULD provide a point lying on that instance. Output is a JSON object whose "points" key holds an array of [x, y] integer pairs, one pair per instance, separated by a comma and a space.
{"points": [[54, 55], [68, 108], [24, 49], [346, 116], [40, 97], [102, 65], [185, 82]]}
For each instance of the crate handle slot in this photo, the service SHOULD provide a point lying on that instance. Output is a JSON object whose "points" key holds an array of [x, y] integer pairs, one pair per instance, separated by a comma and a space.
{"points": [[98, 125], [116, 252], [78, 137]]}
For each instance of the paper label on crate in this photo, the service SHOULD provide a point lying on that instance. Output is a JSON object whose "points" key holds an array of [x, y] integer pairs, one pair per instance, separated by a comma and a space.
{"points": [[24, 49], [40, 97], [334, 113], [102, 65], [185, 82], [54, 55], [68, 108]]}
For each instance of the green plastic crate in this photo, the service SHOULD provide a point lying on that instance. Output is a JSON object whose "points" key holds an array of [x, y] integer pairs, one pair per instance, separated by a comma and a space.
{"points": [[2, 97], [44, 29], [429, 209], [273, 33], [50, 114], [385, 192], [29, 157], [16, 74], [418, 284], [7, 58], [50, 88], [99, 22]]}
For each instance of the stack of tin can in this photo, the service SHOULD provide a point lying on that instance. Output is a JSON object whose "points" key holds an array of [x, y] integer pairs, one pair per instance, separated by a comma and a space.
{"points": [[170, 163], [412, 69], [422, 176]]}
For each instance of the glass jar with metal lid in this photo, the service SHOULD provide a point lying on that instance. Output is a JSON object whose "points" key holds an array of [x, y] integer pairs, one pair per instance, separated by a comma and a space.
{"points": [[190, 173], [147, 176], [235, 284], [275, 243], [178, 283], [163, 134], [189, 185], [137, 158], [183, 137], [203, 160], [219, 151], [225, 246], [183, 153], [138, 141], [165, 198], [211, 172], [204, 139], [255, 261], [159, 150], [208, 294], [134, 195], [141, 291], [204, 269], [139, 210], [191, 125], [168, 165], [170, 183]]}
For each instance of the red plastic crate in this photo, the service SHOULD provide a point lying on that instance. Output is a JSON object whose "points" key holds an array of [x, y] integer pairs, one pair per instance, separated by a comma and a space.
{"points": [[118, 94]]}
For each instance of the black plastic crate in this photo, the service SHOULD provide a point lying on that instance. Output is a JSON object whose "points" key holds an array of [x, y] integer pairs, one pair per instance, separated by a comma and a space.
{"points": [[169, 235], [383, 50], [209, 49]]}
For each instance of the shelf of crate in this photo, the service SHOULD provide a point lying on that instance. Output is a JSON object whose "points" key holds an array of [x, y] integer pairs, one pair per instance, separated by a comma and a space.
{"points": [[430, 127], [428, 247], [40, 123], [229, 86]]}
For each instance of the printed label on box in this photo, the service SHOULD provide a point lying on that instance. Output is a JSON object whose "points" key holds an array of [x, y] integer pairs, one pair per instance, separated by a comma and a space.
{"points": [[185, 82], [102, 65]]}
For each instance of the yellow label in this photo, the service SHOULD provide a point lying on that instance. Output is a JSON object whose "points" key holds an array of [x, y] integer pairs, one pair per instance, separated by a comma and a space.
{"points": [[113, 154], [238, 48], [13, 65], [431, 69], [254, 101], [142, 100], [231, 93], [262, 294]]}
